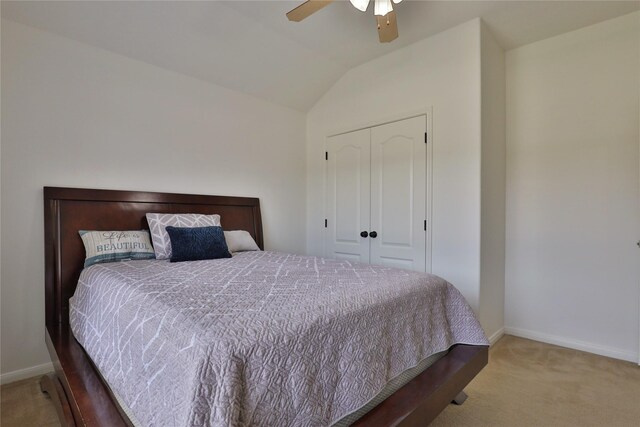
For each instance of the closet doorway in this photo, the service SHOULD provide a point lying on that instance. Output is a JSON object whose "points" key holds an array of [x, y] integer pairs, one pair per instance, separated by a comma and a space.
{"points": [[376, 204]]}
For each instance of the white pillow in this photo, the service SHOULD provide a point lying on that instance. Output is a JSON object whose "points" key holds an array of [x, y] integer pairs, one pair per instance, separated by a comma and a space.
{"points": [[159, 221], [240, 240]]}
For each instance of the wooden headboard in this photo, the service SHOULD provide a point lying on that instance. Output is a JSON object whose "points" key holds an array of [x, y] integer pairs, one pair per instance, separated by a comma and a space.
{"points": [[67, 210]]}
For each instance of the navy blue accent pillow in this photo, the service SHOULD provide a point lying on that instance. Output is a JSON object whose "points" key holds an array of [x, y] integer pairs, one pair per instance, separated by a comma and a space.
{"points": [[196, 243]]}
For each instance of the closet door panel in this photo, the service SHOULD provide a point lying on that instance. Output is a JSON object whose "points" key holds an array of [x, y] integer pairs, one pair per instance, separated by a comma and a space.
{"points": [[398, 194], [348, 196]]}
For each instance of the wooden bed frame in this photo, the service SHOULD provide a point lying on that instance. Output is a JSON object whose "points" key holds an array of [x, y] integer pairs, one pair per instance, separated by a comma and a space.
{"points": [[80, 394]]}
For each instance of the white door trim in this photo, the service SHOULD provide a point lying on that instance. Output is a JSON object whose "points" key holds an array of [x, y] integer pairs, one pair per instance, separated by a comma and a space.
{"points": [[429, 189], [425, 111]]}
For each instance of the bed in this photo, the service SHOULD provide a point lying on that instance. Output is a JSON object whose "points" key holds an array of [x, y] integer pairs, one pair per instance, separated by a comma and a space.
{"points": [[81, 394]]}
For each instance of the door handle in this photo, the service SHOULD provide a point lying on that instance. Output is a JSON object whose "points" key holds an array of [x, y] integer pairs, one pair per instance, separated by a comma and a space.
{"points": [[364, 234], [373, 234]]}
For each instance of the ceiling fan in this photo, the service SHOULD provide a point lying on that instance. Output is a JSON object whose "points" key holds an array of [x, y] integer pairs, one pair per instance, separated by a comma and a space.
{"points": [[383, 11]]}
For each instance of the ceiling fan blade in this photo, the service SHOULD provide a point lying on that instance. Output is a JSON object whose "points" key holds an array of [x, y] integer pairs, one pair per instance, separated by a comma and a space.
{"points": [[387, 27], [307, 8]]}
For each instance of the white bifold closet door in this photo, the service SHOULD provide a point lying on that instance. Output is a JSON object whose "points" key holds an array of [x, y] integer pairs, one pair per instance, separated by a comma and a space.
{"points": [[348, 195], [398, 194], [376, 195]]}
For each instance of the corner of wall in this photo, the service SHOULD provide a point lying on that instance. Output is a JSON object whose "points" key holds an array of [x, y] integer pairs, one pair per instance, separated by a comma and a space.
{"points": [[492, 183]]}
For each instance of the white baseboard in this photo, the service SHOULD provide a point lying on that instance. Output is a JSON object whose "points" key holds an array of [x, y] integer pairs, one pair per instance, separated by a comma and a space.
{"points": [[496, 336], [615, 353], [25, 373]]}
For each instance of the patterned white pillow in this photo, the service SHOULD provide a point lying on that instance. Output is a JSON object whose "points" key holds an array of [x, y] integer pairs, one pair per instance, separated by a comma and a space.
{"points": [[112, 246], [159, 221]]}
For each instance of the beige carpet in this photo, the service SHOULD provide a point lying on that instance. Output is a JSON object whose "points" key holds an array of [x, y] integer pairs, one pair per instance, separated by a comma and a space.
{"points": [[525, 384], [528, 383], [22, 404]]}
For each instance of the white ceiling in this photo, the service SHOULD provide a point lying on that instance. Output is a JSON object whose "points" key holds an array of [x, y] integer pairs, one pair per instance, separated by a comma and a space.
{"points": [[250, 46]]}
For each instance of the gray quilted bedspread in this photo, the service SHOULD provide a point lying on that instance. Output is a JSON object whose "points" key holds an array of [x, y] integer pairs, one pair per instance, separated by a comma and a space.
{"points": [[263, 338]]}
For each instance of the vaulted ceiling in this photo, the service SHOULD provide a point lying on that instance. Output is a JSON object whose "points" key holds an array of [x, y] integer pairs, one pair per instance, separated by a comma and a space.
{"points": [[251, 47]]}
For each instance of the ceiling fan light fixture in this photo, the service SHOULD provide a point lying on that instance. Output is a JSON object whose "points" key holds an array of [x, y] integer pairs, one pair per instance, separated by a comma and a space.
{"points": [[383, 11], [382, 7], [361, 5]]}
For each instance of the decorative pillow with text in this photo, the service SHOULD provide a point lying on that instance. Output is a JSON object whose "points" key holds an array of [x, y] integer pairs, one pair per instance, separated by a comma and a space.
{"points": [[112, 246]]}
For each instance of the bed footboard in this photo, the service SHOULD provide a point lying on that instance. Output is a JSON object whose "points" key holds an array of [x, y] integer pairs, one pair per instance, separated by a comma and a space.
{"points": [[421, 400], [77, 390], [51, 385]]}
